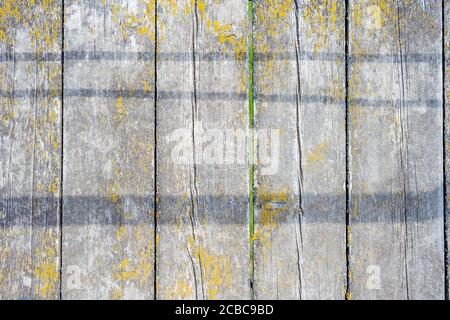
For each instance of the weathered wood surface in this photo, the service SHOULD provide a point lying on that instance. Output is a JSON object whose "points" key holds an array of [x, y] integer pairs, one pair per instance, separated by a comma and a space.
{"points": [[300, 187], [30, 144], [446, 52], [108, 235], [203, 239], [395, 130], [121, 108]]}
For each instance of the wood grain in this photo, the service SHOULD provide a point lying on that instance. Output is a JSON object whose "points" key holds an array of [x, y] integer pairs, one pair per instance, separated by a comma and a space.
{"points": [[395, 130], [446, 52], [300, 198], [203, 238], [126, 133], [108, 232], [30, 146]]}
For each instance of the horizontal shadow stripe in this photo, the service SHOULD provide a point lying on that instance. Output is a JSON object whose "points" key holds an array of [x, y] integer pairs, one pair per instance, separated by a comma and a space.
{"points": [[323, 208], [216, 56], [220, 96]]}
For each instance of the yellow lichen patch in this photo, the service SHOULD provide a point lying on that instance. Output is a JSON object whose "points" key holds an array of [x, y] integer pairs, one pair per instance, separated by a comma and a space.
{"points": [[39, 25], [46, 268], [272, 205], [35, 272], [116, 294], [318, 153], [121, 110], [141, 24], [374, 29], [136, 267], [322, 19], [273, 15], [374, 13], [182, 290], [42, 20], [130, 23], [32, 274], [216, 269], [147, 87], [123, 273], [318, 24], [5, 254], [7, 112], [349, 235], [348, 295], [48, 274], [223, 33], [54, 188], [271, 38], [112, 193], [230, 36], [121, 233], [173, 6], [378, 21]]}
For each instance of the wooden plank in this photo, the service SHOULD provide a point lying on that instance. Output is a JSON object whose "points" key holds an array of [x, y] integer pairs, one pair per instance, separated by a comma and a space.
{"points": [[395, 130], [108, 231], [447, 133], [202, 208], [300, 204], [30, 145]]}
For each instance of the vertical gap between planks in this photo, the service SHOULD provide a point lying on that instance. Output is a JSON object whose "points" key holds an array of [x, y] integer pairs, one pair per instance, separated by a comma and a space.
{"points": [[61, 199], [444, 140], [155, 185], [251, 151], [347, 157]]}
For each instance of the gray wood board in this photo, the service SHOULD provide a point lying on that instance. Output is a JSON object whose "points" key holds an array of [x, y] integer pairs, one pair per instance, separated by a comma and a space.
{"points": [[203, 238], [446, 52], [30, 147], [300, 184], [395, 130], [108, 228]]}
